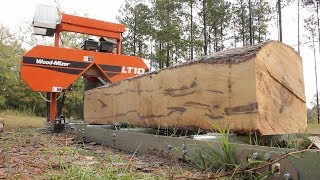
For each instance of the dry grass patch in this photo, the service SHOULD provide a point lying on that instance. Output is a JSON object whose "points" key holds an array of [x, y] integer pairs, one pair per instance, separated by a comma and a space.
{"points": [[14, 120], [313, 128], [35, 154]]}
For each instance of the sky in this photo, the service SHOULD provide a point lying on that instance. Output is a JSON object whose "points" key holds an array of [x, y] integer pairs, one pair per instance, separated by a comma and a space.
{"points": [[14, 13]]}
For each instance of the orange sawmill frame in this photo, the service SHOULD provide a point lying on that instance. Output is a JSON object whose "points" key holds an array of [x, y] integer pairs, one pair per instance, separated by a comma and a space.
{"points": [[70, 23], [41, 76]]}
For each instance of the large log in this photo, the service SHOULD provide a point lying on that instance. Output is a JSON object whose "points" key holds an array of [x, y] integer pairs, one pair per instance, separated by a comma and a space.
{"points": [[251, 89]]}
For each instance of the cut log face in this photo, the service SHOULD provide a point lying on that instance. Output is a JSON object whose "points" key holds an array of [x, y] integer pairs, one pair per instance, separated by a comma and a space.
{"points": [[251, 89]]}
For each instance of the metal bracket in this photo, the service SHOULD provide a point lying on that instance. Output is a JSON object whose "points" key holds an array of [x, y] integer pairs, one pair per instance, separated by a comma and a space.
{"points": [[102, 81]]}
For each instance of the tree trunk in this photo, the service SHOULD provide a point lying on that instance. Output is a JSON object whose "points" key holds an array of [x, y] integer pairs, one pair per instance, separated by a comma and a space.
{"points": [[251, 89], [259, 29], [140, 54], [205, 41], [316, 75], [318, 24], [234, 34], [299, 26], [221, 34], [250, 23], [280, 20], [134, 35], [215, 38], [191, 30], [242, 24], [168, 56], [160, 53]]}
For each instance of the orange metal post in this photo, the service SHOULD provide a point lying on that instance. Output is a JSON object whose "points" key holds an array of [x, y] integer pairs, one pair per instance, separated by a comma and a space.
{"points": [[118, 46], [56, 38], [53, 102], [53, 107]]}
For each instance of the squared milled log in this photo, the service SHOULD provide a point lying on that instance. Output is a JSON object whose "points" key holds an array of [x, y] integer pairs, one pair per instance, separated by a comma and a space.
{"points": [[257, 88]]}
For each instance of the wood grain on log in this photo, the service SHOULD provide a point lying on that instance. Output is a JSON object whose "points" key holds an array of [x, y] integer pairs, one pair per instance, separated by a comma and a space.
{"points": [[258, 88]]}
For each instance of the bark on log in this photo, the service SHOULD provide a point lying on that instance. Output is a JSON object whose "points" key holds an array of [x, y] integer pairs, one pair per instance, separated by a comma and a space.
{"points": [[258, 88]]}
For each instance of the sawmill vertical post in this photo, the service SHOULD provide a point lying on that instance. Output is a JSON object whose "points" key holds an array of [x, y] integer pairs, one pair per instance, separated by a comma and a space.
{"points": [[53, 97], [53, 107]]}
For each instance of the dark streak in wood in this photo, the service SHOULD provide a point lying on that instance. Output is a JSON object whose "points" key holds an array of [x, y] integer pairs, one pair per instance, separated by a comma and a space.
{"points": [[220, 92], [120, 114], [139, 91], [174, 110], [245, 109], [196, 104], [229, 80], [103, 105], [194, 84], [128, 90], [169, 91], [214, 117], [281, 108], [172, 92], [179, 109], [185, 94], [183, 88]]}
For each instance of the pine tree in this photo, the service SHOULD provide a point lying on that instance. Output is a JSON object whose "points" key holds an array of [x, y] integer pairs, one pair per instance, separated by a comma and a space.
{"points": [[311, 25], [261, 16], [168, 31], [138, 20]]}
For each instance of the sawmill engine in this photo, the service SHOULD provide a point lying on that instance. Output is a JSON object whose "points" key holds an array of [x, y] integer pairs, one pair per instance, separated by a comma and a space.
{"points": [[104, 45]]}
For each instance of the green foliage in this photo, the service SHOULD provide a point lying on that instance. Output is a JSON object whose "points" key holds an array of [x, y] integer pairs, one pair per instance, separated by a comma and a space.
{"points": [[14, 93], [169, 32], [312, 115], [2, 102], [211, 158], [74, 100], [137, 17], [220, 159], [261, 16]]}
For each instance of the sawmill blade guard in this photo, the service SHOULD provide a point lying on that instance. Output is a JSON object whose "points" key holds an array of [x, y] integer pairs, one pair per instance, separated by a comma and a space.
{"points": [[53, 69]]}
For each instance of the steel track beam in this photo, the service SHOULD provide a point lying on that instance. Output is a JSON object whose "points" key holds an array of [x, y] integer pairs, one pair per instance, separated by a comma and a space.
{"points": [[305, 167]]}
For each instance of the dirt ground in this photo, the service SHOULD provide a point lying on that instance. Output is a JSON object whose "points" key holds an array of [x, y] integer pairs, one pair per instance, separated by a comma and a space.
{"points": [[35, 154], [29, 153]]}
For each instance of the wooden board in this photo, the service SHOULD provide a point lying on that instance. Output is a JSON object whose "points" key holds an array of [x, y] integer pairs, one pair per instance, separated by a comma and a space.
{"points": [[258, 88]]}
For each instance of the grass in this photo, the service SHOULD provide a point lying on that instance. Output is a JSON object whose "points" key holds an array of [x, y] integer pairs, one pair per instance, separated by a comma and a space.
{"points": [[14, 120], [29, 153], [210, 158], [220, 160], [313, 128]]}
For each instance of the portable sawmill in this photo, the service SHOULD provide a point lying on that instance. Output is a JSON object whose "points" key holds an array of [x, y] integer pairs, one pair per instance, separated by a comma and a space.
{"points": [[54, 69], [256, 89]]}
